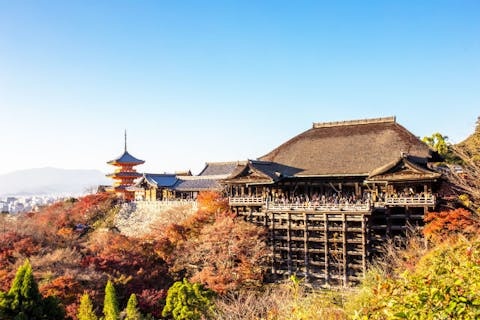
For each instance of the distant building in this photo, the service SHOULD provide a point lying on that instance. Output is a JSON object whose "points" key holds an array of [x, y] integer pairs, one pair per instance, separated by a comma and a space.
{"points": [[182, 185]]}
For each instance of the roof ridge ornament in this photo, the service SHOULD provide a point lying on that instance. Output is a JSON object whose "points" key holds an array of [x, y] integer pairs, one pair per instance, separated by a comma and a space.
{"points": [[317, 125], [125, 140]]}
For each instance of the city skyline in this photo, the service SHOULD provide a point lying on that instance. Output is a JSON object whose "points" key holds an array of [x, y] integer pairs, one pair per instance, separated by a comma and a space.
{"points": [[224, 81]]}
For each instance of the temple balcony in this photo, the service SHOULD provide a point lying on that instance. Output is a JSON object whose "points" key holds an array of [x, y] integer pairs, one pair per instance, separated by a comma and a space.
{"points": [[319, 207], [246, 201], [416, 200]]}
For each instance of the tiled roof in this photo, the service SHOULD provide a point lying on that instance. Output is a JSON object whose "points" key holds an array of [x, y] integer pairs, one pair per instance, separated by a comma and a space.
{"points": [[197, 185], [219, 168], [165, 180], [126, 158]]}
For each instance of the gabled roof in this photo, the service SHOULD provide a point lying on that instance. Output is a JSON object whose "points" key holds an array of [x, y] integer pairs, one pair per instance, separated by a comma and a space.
{"points": [[165, 180], [402, 169], [348, 148], [126, 158], [220, 168], [179, 182], [255, 171], [197, 185]]}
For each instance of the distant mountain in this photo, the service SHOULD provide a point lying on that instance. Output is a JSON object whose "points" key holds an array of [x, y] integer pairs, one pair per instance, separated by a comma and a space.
{"points": [[43, 181]]}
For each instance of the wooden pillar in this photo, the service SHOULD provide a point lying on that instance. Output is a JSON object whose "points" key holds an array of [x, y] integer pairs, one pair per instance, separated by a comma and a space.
{"points": [[289, 241], [388, 221], [357, 189], [364, 246], [344, 249], [325, 242], [305, 245], [272, 239]]}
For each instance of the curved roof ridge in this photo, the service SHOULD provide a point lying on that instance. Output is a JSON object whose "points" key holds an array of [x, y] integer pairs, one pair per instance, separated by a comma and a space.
{"points": [[353, 147], [353, 122], [126, 158]]}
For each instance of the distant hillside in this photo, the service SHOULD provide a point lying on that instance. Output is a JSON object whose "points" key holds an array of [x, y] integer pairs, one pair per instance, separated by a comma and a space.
{"points": [[471, 145], [50, 181]]}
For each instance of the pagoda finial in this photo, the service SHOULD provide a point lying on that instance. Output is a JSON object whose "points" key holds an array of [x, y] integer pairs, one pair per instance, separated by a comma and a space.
{"points": [[125, 140]]}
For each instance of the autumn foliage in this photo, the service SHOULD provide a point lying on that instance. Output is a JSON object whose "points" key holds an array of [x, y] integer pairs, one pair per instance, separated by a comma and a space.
{"points": [[440, 225], [214, 248], [74, 250]]}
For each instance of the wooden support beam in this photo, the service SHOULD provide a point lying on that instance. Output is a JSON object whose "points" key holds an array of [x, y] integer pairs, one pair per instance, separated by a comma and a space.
{"points": [[344, 249], [327, 273], [364, 246], [289, 243], [305, 245]]}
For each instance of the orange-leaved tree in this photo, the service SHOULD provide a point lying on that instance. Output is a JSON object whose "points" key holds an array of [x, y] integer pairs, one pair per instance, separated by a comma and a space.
{"points": [[441, 225]]}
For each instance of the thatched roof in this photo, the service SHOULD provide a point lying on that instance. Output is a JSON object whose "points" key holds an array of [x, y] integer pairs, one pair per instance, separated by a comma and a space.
{"points": [[348, 147]]}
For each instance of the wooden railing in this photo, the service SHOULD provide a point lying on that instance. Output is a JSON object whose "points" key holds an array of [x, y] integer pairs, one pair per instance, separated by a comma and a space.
{"points": [[319, 207], [404, 201], [389, 201], [259, 201], [239, 201]]}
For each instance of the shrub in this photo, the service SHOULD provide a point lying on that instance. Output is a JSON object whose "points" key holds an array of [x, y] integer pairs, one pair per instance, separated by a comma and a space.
{"points": [[110, 304], [444, 284], [85, 311], [132, 311], [186, 301]]}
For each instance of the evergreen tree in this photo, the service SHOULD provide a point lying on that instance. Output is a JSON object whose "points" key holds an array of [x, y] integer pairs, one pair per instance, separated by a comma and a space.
{"points": [[186, 301], [110, 304], [85, 311], [132, 311], [24, 301]]}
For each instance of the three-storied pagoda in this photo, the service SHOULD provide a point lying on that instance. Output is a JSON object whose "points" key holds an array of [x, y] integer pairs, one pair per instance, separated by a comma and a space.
{"points": [[125, 174]]}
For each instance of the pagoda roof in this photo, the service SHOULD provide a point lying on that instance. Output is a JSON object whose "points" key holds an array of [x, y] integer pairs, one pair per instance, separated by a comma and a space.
{"points": [[123, 174], [348, 148], [126, 158]]}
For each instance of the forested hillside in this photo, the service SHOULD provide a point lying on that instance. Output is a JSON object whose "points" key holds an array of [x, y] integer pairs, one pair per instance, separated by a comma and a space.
{"points": [[70, 261], [73, 250]]}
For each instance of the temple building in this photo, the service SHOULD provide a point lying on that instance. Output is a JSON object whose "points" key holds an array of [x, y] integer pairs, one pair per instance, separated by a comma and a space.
{"points": [[329, 198], [124, 174], [182, 185], [332, 196]]}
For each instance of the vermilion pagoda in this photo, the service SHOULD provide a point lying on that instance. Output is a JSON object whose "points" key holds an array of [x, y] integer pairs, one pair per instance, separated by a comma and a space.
{"points": [[125, 174]]}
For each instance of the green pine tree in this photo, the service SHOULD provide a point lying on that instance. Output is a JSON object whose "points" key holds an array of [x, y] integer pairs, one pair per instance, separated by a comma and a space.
{"points": [[186, 301], [132, 311], [85, 311], [110, 304], [24, 301]]}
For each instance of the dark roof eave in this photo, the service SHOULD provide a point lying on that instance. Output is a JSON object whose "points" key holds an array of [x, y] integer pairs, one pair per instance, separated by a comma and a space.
{"points": [[329, 175], [115, 162]]}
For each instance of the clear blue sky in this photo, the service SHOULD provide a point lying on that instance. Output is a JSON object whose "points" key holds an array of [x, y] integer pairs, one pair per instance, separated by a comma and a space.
{"points": [[197, 81]]}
